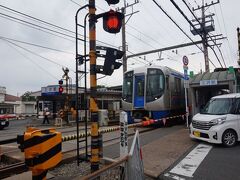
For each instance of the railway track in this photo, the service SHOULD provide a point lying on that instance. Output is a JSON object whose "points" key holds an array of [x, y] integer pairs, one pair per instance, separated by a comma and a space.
{"points": [[21, 167]]}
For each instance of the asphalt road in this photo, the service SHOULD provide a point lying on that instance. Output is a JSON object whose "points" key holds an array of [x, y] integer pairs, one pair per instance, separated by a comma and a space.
{"points": [[220, 163]]}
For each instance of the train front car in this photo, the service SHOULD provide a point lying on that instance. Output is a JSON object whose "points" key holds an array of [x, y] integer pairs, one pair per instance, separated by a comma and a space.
{"points": [[154, 92]]}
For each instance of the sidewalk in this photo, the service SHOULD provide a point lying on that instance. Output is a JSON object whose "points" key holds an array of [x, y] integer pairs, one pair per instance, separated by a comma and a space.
{"points": [[162, 153]]}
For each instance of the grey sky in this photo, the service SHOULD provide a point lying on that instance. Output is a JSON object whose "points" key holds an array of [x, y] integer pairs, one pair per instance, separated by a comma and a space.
{"points": [[149, 29]]}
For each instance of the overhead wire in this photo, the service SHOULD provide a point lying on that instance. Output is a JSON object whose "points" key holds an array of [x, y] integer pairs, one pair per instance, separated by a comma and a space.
{"points": [[180, 28], [53, 25], [178, 8], [36, 45], [47, 59], [43, 69], [224, 25]]}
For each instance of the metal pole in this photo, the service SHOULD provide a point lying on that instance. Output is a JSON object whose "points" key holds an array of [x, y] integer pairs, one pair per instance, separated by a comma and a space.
{"points": [[186, 104], [95, 149], [77, 56], [85, 85], [124, 60]]}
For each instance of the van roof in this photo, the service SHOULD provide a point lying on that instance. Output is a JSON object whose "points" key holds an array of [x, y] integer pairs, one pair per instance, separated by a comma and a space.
{"points": [[232, 95]]}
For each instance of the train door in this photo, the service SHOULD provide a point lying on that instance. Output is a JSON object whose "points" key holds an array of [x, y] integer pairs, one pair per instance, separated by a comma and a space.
{"points": [[139, 89]]}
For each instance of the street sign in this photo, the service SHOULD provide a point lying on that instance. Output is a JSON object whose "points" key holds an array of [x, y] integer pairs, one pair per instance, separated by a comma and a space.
{"points": [[185, 60]]}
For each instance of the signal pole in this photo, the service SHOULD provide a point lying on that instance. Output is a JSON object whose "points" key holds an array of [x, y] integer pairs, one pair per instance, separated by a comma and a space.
{"points": [[95, 148]]}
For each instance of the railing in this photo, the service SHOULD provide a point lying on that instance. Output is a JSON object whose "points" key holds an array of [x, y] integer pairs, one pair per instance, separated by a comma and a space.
{"points": [[114, 171]]}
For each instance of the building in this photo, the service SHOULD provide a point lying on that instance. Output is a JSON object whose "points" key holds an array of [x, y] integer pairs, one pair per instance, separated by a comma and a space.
{"points": [[107, 98], [8, 103]]}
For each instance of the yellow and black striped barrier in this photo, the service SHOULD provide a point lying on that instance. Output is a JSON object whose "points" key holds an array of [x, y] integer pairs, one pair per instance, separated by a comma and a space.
{"points": [[42, 150], [82, 135], [111, 129]]}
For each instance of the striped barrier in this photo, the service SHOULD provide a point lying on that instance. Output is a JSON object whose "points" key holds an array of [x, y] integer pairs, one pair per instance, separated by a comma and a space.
{"points": [[42, 150], [82, 135], [143, 123]]}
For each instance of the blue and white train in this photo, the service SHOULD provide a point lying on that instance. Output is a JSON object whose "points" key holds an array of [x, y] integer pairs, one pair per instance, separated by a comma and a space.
{"points": [[154, 92]]}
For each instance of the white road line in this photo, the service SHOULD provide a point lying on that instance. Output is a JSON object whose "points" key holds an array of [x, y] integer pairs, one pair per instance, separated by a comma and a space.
{"points": [[190, 163], [174, 176]]}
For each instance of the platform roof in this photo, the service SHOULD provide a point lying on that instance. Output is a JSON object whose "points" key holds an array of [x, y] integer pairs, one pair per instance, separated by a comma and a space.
{"points": [[222, 77]]}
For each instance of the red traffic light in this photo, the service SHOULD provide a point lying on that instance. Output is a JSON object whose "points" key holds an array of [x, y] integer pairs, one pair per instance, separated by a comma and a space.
{"points": [[112, 21], [60, 89], [112, 1]]}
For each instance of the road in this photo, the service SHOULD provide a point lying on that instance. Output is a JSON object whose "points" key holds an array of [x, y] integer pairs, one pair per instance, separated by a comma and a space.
{"points": [[203, 161]]}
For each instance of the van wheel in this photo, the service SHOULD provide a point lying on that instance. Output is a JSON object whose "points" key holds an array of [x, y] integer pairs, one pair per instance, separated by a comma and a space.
{"points": [[229, 138]]}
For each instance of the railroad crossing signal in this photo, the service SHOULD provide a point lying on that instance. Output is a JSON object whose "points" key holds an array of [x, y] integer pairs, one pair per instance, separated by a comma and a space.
{"points": [[110, 63], [112, 21], [60, 89]]}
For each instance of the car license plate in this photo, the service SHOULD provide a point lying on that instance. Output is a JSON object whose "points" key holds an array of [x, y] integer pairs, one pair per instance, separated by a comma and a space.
{"points": [[3, 123], [196, 133]]}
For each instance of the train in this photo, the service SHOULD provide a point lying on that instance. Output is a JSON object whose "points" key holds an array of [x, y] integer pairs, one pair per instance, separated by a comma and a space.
{"points": [[155, 92]]}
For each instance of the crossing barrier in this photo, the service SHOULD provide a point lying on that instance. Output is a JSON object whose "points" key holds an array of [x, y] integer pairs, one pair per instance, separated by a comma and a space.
{"points": [[107, 130], [42, 150]]}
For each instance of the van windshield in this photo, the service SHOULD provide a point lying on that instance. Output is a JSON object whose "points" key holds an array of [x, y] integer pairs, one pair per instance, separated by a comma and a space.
{"points": [[218, 106]]}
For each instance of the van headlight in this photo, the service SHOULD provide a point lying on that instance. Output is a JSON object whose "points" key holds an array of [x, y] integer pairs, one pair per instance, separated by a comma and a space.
{"points": [[218, 121]]}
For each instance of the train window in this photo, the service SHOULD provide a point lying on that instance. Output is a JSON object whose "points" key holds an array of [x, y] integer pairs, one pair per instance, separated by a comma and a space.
{"points": [[128, 86], [155, 84], [177, 83]]}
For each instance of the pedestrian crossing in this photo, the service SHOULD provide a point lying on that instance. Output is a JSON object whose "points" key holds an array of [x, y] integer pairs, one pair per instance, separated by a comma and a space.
{"points": [[187, 166]]}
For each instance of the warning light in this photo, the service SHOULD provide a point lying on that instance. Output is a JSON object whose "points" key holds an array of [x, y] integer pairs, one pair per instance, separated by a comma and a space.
{"points": [[112, 21], [60, 88]]}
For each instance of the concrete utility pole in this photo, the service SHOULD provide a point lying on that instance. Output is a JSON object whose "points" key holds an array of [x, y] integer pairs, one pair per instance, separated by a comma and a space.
{"points": [[238, 35], [124, 60], [204, 30], [204, 39], [95, 147], [124, 43]]}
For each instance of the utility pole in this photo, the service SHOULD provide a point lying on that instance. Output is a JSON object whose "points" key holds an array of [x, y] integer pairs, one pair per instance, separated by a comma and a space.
{"points": [[238, 35], [124, 60], [204, 29], [124, 43], [204, 39], [95, 148]]}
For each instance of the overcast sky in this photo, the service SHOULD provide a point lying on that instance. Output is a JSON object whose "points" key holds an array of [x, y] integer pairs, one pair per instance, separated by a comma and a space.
{"points": [[26, 67]]}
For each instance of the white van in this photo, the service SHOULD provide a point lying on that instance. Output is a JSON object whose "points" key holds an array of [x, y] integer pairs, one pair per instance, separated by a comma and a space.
{"points": [[219, 121]]}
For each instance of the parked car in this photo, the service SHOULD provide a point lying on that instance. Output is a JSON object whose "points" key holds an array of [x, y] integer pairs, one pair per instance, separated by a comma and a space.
{"points": [[219, 121], [3, 122]]}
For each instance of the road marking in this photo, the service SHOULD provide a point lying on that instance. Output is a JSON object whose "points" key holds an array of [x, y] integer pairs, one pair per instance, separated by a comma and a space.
{"points": [[190, 163], [9, 146], [174, 176]]}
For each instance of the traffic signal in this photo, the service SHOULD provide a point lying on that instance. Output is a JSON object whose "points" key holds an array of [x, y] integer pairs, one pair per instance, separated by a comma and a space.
{"points": [[112, 21], [60, 88], [110, 60], [112, 1]]}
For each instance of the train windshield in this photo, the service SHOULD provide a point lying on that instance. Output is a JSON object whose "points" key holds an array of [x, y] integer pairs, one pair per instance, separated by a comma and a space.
{"points": [[155, 84], [128, 86]]}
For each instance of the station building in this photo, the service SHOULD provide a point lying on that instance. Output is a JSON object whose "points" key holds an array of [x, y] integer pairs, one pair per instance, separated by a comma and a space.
{"points": [[205, 85], [107, 99]]}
